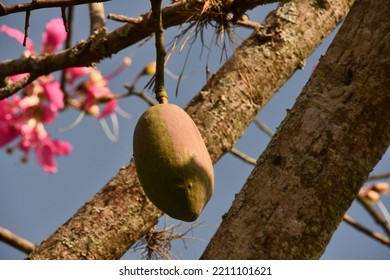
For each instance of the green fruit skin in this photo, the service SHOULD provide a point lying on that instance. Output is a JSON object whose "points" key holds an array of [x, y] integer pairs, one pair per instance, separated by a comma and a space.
{"points": [[172, 162]]}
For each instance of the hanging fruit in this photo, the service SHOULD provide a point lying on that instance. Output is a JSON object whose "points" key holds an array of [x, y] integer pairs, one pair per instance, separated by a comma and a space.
{"points": [[172, 162]]}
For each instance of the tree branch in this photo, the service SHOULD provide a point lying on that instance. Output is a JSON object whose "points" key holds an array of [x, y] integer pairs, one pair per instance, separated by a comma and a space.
{"points": [[119, 214], [384, 175], [41, 4], [378, 218], [11, 88], [370, 233], [159, 87], [322, 153], [96, 48], [264, 127], [16, 241], [96, 13], [243, 156]]}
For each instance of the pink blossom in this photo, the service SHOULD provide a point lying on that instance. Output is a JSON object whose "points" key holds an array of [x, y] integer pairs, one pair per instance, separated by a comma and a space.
{"points": [[108, 109], [52, 38], [18, 36], [8, 111], [54, 35], [96, 91], [34, 136], [47, 148], [22, 119], [27, 126], [53, 92], [74, 73]]}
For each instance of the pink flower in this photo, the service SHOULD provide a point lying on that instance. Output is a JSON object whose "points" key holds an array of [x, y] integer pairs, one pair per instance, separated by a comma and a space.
{"points": [[8, 108], [18, 36], [34, 136], [95, 90], [22, 119], [94, 97], [52, 39], [54, 35], [108, 109], [74, 73], [19, 118]]}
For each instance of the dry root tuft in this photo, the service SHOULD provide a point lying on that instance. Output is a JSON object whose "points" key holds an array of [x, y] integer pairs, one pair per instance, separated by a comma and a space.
{"points": [[157, 244]]}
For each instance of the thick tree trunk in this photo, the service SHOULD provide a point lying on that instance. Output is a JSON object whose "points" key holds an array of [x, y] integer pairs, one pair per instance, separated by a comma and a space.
{"points": [[323, 152], [107, 225]]}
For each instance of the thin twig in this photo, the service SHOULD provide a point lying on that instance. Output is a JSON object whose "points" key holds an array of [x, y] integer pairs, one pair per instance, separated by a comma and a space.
{"points": [[34, 5], [378, 218], [379, 176], [16, 241], [16, 86], [249, 24], [97, 18], [68, 43], [159, 88], [122, 18], [132, 91], [264, 127], [64, 18], [26, 25], [174, 14], [377, 236], [243, 156]]}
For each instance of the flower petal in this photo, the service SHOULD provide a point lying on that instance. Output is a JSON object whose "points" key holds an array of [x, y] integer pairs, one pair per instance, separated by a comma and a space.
{"points": [[76, 72], [53, 93], [45, 158], [49, 113], [61, 148], [18, 36], [108, 109], [54, 35]]}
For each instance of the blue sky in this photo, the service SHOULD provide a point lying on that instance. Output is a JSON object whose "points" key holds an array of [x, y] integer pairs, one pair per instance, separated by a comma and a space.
{"points": [[34, 204]]}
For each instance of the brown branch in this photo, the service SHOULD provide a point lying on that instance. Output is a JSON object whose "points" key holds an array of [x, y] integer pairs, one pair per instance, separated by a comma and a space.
{"points": [[379, 176], [119, 214], [248, 24], [86, 52], [159, 85], [263, 127], [140, 94], [65, 18], [122, 18], [375, 235], [40, 4], [26, 25], [243, 156], [378, 218], [96, 13], [12, 88], [68, 43], [322, 153], [16, 241]]}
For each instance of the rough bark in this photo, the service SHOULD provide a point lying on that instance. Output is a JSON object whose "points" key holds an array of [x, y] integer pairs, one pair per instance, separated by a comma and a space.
{"points": [[323, 152], [107, 225]]}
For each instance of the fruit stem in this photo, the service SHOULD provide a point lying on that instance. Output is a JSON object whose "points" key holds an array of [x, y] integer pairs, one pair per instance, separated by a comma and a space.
{"points": [[159, 88]]}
